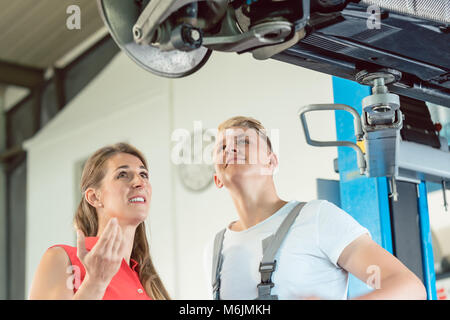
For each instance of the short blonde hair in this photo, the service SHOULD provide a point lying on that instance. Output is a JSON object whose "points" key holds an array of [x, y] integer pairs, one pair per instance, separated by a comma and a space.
{"points": [[246, 122]]}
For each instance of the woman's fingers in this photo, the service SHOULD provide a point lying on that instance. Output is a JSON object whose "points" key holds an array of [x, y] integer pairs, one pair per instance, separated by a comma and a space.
{"points": [[81, 246], [103, 261], [111, 240], [106, 234], [117, 242]]}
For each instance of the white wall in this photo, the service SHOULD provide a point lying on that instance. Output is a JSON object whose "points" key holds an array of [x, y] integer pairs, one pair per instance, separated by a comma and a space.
{"points": [[127, 103]]}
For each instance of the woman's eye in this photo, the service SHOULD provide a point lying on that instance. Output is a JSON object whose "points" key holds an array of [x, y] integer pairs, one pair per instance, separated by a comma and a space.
{"points": [[145, 175], [122, 174]]}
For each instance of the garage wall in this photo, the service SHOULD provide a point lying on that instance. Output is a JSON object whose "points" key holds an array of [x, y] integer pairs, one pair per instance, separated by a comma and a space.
{"points": [[125, 103]]}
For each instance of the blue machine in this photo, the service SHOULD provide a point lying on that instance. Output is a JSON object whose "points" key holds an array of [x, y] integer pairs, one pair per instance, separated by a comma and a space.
{"points": [[368, 199]]}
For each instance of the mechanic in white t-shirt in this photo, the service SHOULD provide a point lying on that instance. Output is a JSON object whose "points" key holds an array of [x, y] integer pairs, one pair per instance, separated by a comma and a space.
{"points": [[321, 247]]}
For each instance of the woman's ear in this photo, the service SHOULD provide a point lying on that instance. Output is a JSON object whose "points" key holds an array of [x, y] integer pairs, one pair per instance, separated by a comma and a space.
{"points": [[92, 198]]}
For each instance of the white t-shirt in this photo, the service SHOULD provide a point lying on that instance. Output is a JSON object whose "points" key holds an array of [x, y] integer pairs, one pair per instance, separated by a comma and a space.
{"points": [[306, 260]]}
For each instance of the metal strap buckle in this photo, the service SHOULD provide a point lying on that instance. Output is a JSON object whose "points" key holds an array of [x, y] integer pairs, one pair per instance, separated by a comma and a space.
{"points": [[266, 270], [266, 284], [267, 267]]}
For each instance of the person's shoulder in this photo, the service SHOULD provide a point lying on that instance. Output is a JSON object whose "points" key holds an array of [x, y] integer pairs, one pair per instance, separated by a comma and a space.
{"points": [[317, 205], [313, 209], [308, 203], [67, 250], [58, 254], [333, 216], [310, 207], [51, 274], [307, 214], [326, 206], [314, 204], [54, 258]]}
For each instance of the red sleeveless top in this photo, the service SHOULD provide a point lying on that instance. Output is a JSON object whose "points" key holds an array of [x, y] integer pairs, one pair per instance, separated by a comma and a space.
{"points": [[125, 285]]}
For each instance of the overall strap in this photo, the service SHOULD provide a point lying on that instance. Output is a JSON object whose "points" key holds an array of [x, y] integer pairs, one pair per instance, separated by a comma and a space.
{"points": [[217, 264], [270, 247]]}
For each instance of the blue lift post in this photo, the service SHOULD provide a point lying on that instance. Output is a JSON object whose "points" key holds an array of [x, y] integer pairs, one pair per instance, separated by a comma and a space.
{"points": [[427, 246], [367, 199]]}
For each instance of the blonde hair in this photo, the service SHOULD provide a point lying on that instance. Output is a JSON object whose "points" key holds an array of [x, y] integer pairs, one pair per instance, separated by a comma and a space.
{"points": [[246, 122], [86, 218]]}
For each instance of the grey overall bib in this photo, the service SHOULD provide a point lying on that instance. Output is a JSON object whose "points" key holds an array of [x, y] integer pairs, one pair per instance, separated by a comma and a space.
{"points": [[268, 263]]}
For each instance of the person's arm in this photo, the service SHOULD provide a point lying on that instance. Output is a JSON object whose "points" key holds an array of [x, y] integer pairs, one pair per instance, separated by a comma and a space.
{"points": [[370, 263], [52, 280], [51, 277]]}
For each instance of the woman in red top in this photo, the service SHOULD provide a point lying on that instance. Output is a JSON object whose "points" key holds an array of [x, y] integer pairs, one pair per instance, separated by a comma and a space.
{"points": [[112, 258]]}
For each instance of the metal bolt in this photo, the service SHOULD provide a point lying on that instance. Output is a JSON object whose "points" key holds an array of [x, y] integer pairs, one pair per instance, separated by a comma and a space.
{"points": [[381, 109], [195, 35], [378, 82], [137, 33]]}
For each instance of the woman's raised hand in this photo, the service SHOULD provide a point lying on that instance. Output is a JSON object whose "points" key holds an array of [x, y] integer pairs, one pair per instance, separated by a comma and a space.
{"points": [[105, 258]]}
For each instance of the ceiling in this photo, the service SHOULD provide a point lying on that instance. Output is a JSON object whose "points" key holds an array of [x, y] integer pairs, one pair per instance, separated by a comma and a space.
{"points": [[34, 32]]}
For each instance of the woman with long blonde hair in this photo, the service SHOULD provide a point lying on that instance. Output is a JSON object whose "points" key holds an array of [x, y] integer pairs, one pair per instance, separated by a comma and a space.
{"points": [[112, 258]]}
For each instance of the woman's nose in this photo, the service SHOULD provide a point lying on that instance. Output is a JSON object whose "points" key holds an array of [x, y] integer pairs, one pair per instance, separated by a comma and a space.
{"points": [[138, 181]]}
